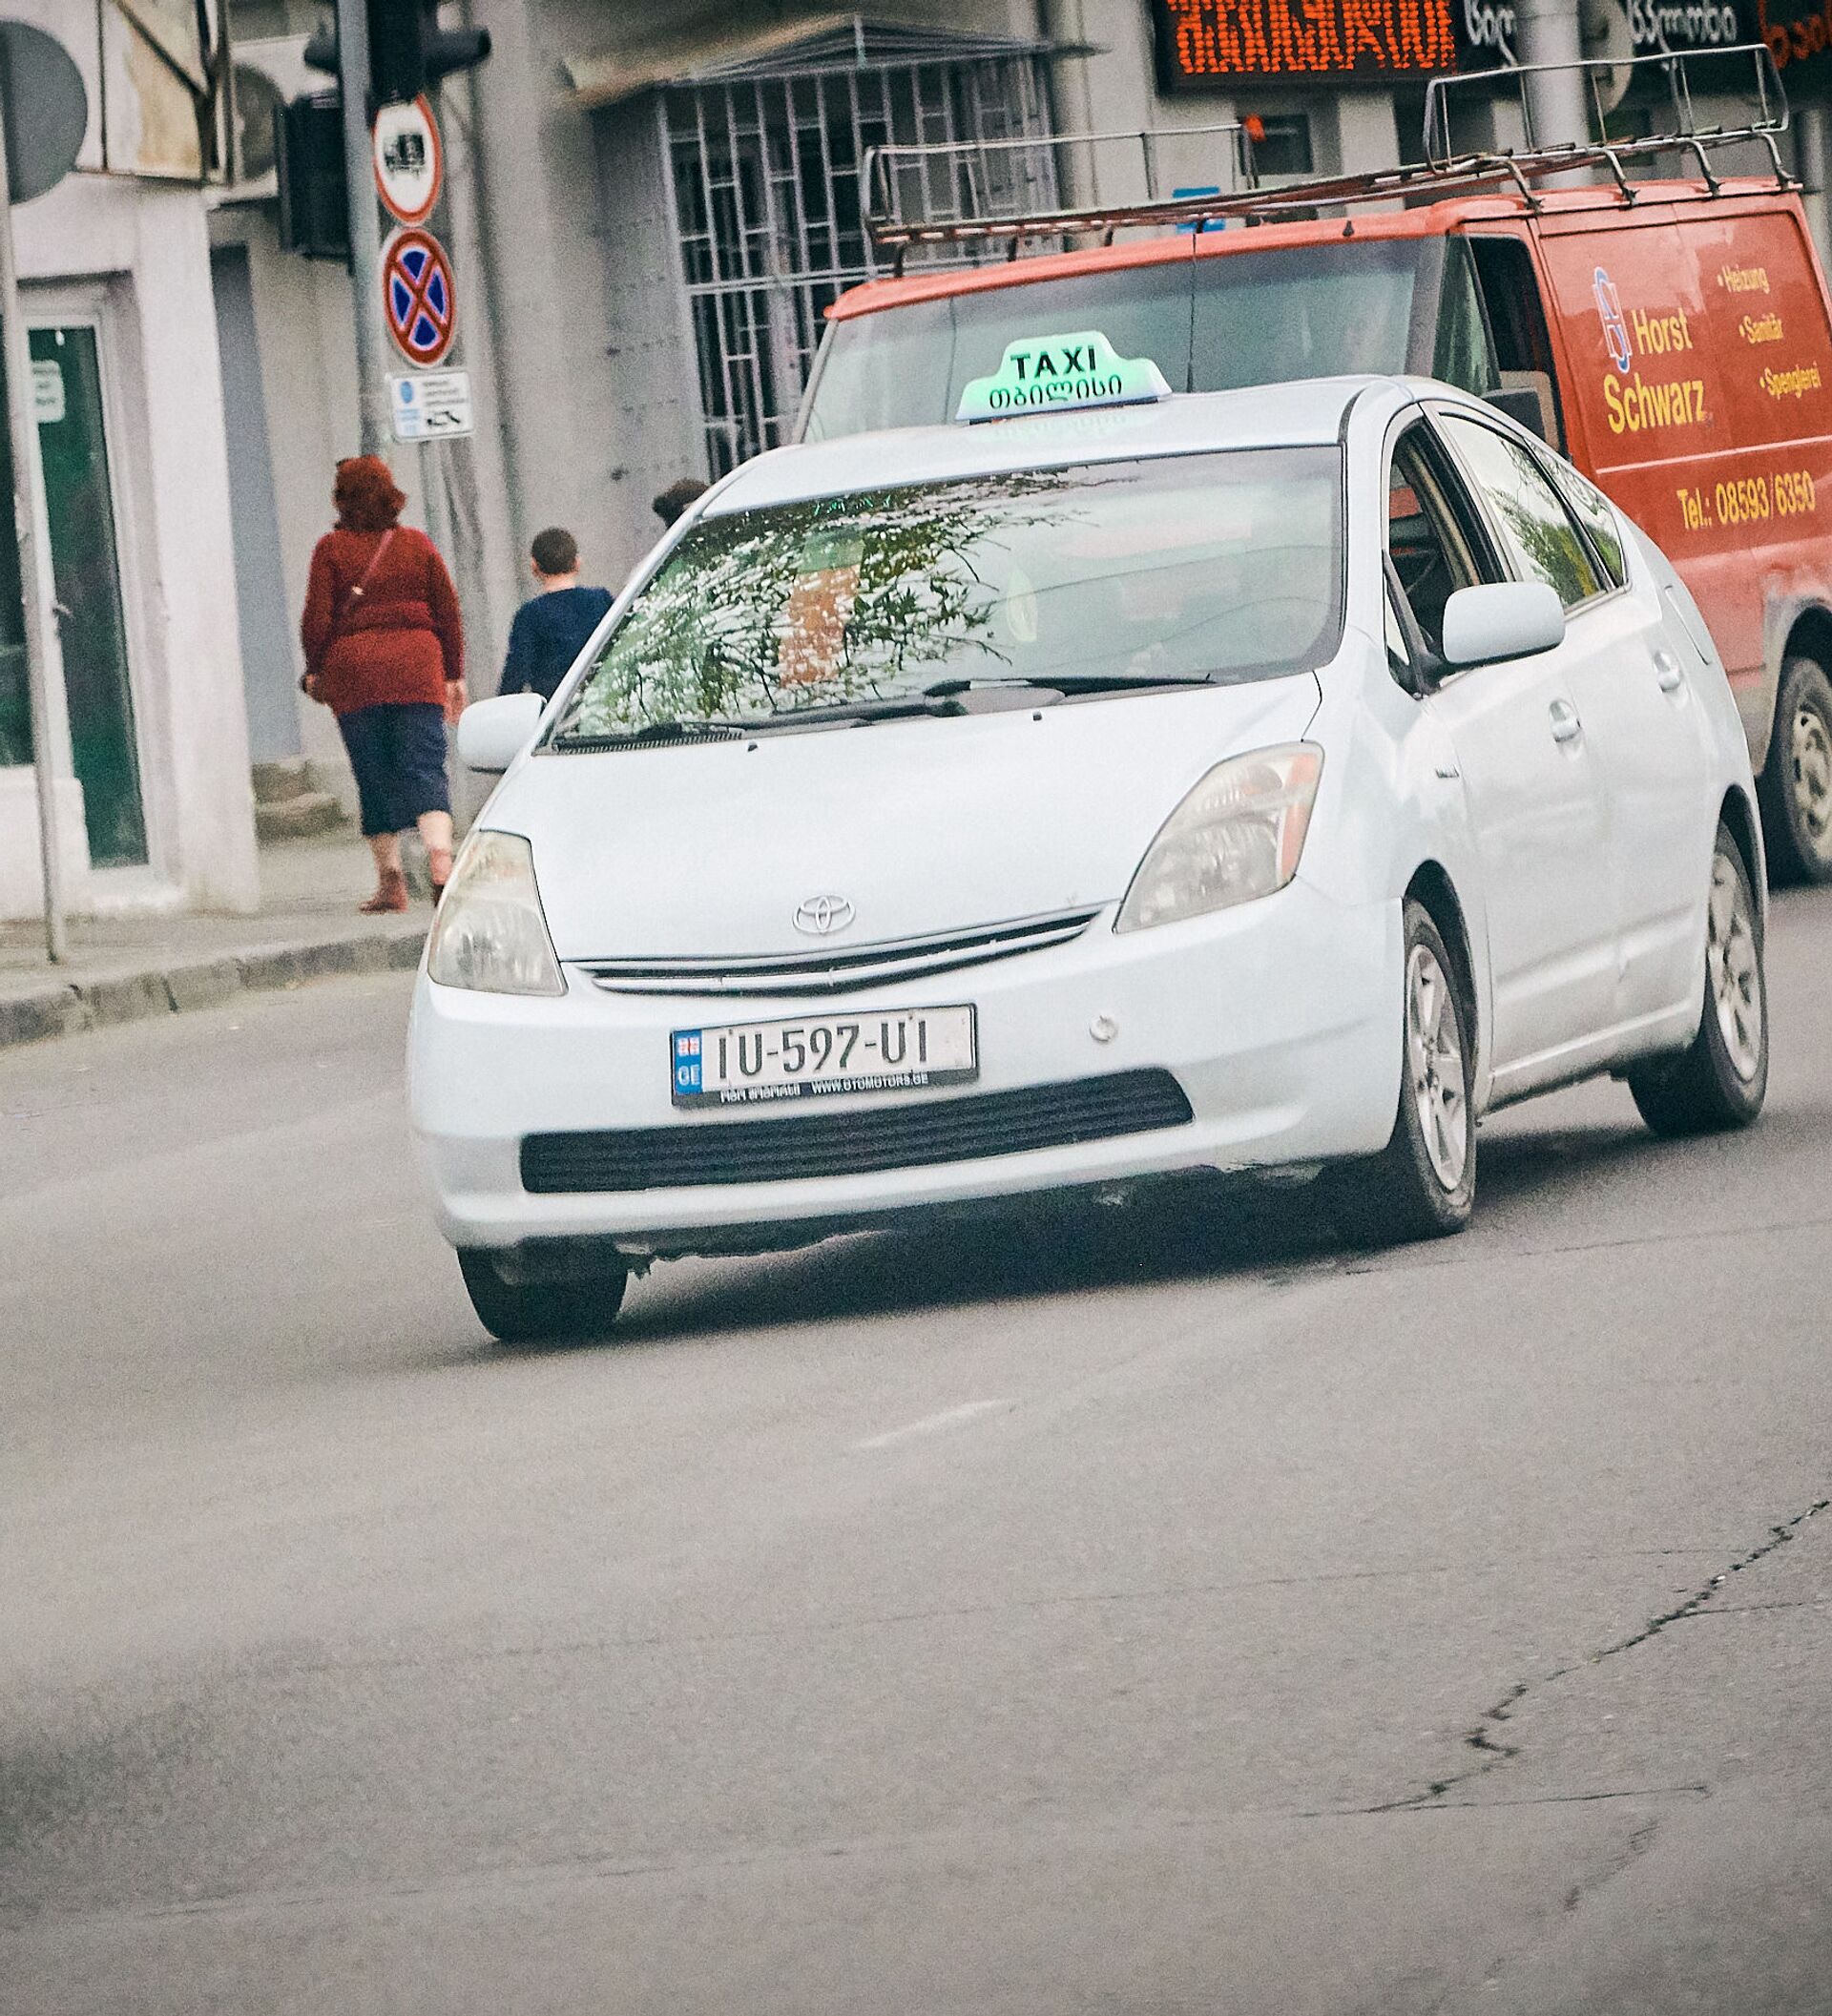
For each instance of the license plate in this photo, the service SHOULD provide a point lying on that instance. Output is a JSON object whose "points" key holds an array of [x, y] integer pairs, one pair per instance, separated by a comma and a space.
{"points": [[882, 1050]]}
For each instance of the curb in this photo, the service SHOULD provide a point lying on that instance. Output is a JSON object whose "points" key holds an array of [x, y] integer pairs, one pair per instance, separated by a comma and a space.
{"points": [[70, 1008]]}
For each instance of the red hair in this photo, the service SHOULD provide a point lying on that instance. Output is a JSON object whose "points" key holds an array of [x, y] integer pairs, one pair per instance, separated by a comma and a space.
{"points": [[365, 494]]}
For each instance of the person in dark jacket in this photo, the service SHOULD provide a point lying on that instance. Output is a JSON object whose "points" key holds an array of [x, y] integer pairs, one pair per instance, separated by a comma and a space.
{"points": [[549, 630], [385, 650]]}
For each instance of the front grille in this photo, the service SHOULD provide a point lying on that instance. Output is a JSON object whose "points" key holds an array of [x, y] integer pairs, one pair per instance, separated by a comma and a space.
{"points": [[850, 1144], [839, 970]]}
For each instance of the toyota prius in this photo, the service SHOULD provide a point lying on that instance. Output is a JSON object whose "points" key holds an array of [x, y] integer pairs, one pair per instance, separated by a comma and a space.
{"points": [[1109, 784]]}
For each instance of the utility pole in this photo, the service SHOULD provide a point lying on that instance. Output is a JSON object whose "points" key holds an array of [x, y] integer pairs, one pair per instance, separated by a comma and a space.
{"points": [[1558, 108], [365, 228], [22, 453]]}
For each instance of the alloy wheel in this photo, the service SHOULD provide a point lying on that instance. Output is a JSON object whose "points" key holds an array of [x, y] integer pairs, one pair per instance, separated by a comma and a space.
{"points": [[1735, 968], [1434, 1061], [1811, 750]]}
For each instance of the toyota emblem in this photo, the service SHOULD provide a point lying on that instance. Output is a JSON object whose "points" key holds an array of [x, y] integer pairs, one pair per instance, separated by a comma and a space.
{"points": [[820, 916]]}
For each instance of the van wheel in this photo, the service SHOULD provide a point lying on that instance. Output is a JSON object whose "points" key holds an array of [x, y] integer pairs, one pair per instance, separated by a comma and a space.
{"points": [[1422, 1183], [1721, 1082], [541, 1311], [1796, 783]]}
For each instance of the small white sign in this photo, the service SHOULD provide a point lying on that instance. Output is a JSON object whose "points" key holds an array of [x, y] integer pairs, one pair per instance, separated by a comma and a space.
{"points": [[430, 405], [410, 162], [48, 406]]}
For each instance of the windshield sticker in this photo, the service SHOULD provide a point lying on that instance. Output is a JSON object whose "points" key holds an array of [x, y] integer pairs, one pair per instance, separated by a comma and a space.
{"points": [[1059, 374]]}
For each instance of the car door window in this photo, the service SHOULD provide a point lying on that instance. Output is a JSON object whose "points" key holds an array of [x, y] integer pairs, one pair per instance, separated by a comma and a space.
{"points": [[1399, 646], [1596, 514], [1540, 536], [1433, 536]]}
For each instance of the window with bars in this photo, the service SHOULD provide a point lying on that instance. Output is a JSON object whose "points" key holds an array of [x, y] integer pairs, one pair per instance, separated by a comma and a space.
{"points": [[766, 186]]}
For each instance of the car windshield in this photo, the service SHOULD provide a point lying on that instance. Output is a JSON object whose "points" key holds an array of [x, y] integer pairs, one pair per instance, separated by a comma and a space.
{"points": [[1221, 568], [1211, 324]]}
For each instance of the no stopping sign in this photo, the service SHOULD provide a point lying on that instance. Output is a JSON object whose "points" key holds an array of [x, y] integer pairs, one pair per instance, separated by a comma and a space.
{"points": [[417, 297]]}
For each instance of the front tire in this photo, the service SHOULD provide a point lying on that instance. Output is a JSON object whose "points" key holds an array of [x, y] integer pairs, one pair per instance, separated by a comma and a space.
{"points": [[1796, 783], [1721, 1081], [541, 1311], [1422, 1183]]}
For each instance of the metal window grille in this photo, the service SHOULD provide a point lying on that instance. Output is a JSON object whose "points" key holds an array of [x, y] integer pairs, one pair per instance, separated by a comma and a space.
{"points": [[764, 175]]}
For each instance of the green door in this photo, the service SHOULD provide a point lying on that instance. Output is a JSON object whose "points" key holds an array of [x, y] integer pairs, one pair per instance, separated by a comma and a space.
{"points": [[85, 565], [16, 697]]}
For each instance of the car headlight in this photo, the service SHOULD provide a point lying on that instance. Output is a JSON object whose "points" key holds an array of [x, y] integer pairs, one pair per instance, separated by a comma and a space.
{"points": [[1238, 835], [491, 934]]}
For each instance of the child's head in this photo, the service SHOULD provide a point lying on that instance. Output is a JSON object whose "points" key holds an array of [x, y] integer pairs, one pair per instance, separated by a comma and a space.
{"points": [[556, 554]]}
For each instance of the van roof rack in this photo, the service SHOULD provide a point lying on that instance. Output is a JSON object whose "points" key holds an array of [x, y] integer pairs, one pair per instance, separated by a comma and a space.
{"points": [[1006, 193]]}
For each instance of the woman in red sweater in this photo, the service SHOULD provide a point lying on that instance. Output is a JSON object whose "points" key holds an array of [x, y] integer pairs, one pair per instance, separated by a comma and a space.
{"points": [[385, 651]]}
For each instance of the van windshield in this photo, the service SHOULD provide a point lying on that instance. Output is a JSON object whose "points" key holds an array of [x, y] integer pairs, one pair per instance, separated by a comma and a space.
{"points": [[1221, 568], [1211, 325]]}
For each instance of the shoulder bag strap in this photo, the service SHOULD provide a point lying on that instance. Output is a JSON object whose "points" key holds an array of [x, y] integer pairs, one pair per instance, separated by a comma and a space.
{"points": [[355, 595]]}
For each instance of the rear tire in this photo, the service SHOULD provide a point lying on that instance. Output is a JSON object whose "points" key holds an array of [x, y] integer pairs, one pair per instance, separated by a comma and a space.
{"points": [[541, 1311], [1796, 783], [1422, 1183], [1721, 1081]]}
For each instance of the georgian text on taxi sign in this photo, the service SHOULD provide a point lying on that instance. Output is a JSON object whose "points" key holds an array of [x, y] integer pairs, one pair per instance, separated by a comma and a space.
{"points": [[1041, 374]]}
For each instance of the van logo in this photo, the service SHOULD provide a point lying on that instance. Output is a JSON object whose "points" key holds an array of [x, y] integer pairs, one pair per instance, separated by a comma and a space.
{"points": [[820, 916], [1615, 330]]}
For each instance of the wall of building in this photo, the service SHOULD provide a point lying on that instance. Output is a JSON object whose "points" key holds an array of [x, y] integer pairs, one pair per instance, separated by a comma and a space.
{"points": [[136, 254]]}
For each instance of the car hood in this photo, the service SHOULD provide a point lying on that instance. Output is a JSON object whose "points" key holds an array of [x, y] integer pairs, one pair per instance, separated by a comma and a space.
{"points": [[923, 826]]}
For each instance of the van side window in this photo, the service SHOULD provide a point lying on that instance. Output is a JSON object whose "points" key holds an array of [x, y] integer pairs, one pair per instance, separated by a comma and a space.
{"points": [[1595, 513], [1433, 536], [1465, 356], [1509, 290], [1535, 527]]}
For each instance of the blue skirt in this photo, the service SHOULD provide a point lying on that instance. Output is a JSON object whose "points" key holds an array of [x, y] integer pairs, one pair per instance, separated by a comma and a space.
{"points": [[398, 752]]}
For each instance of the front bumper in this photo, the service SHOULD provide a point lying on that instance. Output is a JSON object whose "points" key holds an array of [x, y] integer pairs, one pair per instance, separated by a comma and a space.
{"points": [[1279, 1019]]}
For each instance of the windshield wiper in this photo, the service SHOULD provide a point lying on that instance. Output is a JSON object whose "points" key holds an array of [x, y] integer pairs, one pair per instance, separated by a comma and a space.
{"points": [[1070, 684], [689, 730], [956, 696], [943, 699]]}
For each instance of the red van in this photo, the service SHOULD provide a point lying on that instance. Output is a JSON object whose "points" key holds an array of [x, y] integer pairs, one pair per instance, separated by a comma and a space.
{"points": [[1673, 339]]}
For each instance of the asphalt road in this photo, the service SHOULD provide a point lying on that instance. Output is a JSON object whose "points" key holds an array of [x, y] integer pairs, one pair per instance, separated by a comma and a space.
{"points": [[1178, 1613]]}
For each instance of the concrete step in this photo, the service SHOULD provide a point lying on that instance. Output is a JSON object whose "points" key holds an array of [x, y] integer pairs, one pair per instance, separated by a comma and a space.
{"points": [[297, 816], [275, 783]]}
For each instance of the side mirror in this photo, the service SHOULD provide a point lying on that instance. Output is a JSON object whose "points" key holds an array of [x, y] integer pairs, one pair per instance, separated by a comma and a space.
{"points": [[1522, 406], [1499, 619], [491, 733]]}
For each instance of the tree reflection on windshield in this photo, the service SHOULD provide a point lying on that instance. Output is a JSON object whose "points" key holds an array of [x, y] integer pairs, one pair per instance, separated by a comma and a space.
{"points": [[1196, 567]]}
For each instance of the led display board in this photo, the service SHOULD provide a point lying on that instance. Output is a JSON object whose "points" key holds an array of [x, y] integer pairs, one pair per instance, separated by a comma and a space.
{"points": [[1799, 33], [1211, 44], [1202, 44]]}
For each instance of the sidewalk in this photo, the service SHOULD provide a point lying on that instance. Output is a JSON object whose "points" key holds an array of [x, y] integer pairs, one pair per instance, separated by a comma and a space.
{"points": [[121, 969]]}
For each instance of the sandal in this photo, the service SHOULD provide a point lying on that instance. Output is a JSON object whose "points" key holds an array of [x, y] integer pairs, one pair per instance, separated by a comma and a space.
{"points": [[390, 894]]}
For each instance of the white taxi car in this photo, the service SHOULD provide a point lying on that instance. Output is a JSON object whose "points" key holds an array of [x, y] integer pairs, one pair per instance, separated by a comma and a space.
{"points": [[1134, 784]]}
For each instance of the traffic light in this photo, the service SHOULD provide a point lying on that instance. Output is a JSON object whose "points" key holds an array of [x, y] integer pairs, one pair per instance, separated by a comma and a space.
{"points": [[308, 157], [407, 49]]}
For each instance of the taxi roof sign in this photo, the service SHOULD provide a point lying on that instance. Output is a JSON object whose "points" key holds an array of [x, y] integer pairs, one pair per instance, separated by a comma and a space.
{"points": [[1059, 374]]}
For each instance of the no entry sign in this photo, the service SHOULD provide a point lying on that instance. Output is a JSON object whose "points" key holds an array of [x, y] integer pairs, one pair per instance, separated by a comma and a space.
{"points": [[409, 163], [417, 297]]}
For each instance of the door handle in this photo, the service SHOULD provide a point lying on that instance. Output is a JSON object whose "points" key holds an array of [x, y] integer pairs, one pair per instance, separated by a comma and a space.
{"points": [[1565, 725], [1666, 669]]}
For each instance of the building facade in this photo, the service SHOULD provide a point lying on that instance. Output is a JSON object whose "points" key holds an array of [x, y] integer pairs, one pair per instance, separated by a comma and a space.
{"points": [[146, 723], [647, 210]]}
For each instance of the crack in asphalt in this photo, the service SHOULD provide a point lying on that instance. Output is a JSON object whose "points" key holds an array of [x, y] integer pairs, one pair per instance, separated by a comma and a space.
{"points": [[1484, 1252], [1492, 1749], [1633, 1849]]}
